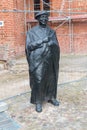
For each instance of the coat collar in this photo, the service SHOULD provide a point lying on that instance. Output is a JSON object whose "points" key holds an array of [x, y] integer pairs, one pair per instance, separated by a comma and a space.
{"points": [[40, 30]]}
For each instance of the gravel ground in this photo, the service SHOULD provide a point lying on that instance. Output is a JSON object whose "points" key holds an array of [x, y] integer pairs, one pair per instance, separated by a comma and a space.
{"points": [[72, 112], [70, 115], [15, 79]]}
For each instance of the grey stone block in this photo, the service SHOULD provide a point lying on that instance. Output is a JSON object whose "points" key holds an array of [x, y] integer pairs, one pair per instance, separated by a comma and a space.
{"points": [[3, 106]]}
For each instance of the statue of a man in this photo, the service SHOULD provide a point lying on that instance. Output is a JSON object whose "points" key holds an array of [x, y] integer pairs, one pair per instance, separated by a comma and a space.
{"points": [[43, 53]]}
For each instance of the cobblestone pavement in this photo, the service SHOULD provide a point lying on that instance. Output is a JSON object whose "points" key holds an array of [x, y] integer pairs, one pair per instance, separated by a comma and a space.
{"points": [[70, 115]]}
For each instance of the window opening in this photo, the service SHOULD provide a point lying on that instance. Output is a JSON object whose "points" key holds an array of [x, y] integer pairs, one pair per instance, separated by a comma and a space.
{"points": [[46, 6]]}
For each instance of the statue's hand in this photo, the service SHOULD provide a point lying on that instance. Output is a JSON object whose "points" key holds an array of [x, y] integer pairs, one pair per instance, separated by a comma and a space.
{"points": [[46, 39], [51, 43], [39, 42]]}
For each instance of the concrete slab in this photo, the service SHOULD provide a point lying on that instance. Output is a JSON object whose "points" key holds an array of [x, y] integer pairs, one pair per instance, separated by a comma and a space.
{"points": [[6, 123]]}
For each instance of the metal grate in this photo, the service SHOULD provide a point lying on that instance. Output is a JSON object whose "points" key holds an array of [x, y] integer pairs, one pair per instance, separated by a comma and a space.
{"points": [[6, 123]]}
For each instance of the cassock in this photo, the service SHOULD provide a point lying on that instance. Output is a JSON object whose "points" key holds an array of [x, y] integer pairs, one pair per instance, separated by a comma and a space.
{"points": [[43, 60]]}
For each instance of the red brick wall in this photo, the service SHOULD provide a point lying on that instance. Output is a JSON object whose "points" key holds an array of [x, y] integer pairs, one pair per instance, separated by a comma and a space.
{"points": [[76, 42], [12, 38], [63, 38], [80, 38], [12, 34], [74, 5], [19, 28], [7, 31]]}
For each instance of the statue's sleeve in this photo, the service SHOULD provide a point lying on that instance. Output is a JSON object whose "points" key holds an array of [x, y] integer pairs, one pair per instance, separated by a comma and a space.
{"points": [[53, 39], [56, 39], [31, 42], [27, 49]]}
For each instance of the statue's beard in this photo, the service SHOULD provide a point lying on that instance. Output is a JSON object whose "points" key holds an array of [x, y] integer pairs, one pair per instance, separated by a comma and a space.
{"points": [[43, 23]]}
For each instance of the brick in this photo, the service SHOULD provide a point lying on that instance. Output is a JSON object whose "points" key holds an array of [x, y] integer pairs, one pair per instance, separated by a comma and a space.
{"points": [[13, 31], [12, 35]]}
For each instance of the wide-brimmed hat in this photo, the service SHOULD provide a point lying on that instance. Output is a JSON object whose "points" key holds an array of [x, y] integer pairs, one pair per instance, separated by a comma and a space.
{"points": [[41, 13]]}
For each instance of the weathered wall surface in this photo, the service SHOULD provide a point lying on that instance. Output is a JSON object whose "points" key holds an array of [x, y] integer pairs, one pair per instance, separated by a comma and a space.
{"points": [[12, 39], [12, 34]]}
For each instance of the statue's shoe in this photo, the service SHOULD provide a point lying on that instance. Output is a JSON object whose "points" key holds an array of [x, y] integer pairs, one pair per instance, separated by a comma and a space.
{"points": [[54, 102], [38, 107]]}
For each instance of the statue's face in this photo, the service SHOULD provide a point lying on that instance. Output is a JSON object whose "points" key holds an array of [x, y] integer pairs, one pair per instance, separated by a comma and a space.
{"points": [[43, 19]]}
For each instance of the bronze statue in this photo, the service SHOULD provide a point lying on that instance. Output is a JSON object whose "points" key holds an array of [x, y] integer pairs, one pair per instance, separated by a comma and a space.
{"points": [[43, 53]]}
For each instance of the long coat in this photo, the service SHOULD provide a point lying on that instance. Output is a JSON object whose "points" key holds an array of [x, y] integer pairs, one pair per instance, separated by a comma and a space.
{"points": [[43, 60]]}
